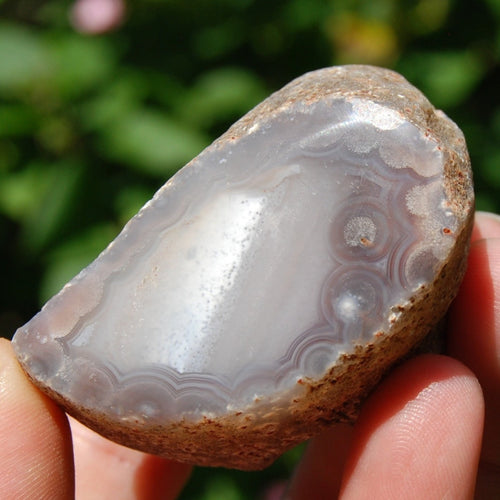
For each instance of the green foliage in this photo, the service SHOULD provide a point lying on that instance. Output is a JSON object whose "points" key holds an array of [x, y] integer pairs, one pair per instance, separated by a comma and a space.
{"points": [[90, 126], [24, 58]]}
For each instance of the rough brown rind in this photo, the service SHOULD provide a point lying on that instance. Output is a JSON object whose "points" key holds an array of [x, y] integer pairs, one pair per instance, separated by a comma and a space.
{"points": [[253, 439]]}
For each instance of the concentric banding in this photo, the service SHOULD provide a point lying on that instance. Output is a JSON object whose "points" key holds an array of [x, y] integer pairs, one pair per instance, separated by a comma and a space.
{"points": [[294, 244], [362, 231], [355, 296]]}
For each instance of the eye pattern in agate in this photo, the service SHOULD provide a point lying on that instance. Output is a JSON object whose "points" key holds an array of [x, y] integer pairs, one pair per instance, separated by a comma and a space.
{"points": [[258, 264]]}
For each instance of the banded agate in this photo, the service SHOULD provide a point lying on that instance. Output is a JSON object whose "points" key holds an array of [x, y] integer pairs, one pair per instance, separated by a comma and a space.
{"points": [[272, 281]]}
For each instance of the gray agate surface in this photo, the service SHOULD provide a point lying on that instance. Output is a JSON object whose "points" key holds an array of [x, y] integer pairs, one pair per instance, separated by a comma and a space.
{"points": [[258, 265]]}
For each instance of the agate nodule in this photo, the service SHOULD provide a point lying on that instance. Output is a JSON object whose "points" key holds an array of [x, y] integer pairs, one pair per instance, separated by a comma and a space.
{"points": [[268, 286]]}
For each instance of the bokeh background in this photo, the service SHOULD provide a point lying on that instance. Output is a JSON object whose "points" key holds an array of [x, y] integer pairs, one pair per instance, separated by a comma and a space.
{"points": [[98, 108]]}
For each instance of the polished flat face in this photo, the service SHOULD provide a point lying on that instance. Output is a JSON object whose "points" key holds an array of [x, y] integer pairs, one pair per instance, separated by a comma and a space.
{"points": [[256, 265]]}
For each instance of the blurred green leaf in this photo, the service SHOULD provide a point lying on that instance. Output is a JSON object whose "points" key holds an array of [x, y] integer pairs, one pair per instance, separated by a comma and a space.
{"points": [[9, 156], [51, 209], [219, 95], [17, 119], [491, 169], [215, 41], [222, 487], [56, 133], [429, 15], [495, 122], [151, 142], [24, 59], [291, 458], [95, 62], [114, 101], [303, 14], [487, 202], [445, 77], [494, 6], [21, 192]]}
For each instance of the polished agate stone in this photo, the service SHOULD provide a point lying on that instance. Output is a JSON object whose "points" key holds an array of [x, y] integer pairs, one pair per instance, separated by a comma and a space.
{"points": [[330, 221]]}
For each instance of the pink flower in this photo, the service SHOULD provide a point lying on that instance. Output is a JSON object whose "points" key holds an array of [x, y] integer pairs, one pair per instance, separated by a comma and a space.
{"points": [[97, 16]]}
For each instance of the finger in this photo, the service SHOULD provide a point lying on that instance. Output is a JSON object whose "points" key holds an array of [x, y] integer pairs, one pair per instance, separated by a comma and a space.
{"points": [[107, 470], [486, 225], [319, 472], [419, 435], [474, 327], [35, 441]]}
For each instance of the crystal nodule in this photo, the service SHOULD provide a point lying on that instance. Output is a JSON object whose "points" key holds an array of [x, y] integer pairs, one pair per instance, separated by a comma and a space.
{"points": [[267, 286]]}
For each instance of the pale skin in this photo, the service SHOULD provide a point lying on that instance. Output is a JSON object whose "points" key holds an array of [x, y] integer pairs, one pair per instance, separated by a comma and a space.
{"points": [[431, 430]]}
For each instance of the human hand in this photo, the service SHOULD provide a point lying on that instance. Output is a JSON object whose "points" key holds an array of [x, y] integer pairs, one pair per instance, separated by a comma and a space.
{"points": [[418, 435]]}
